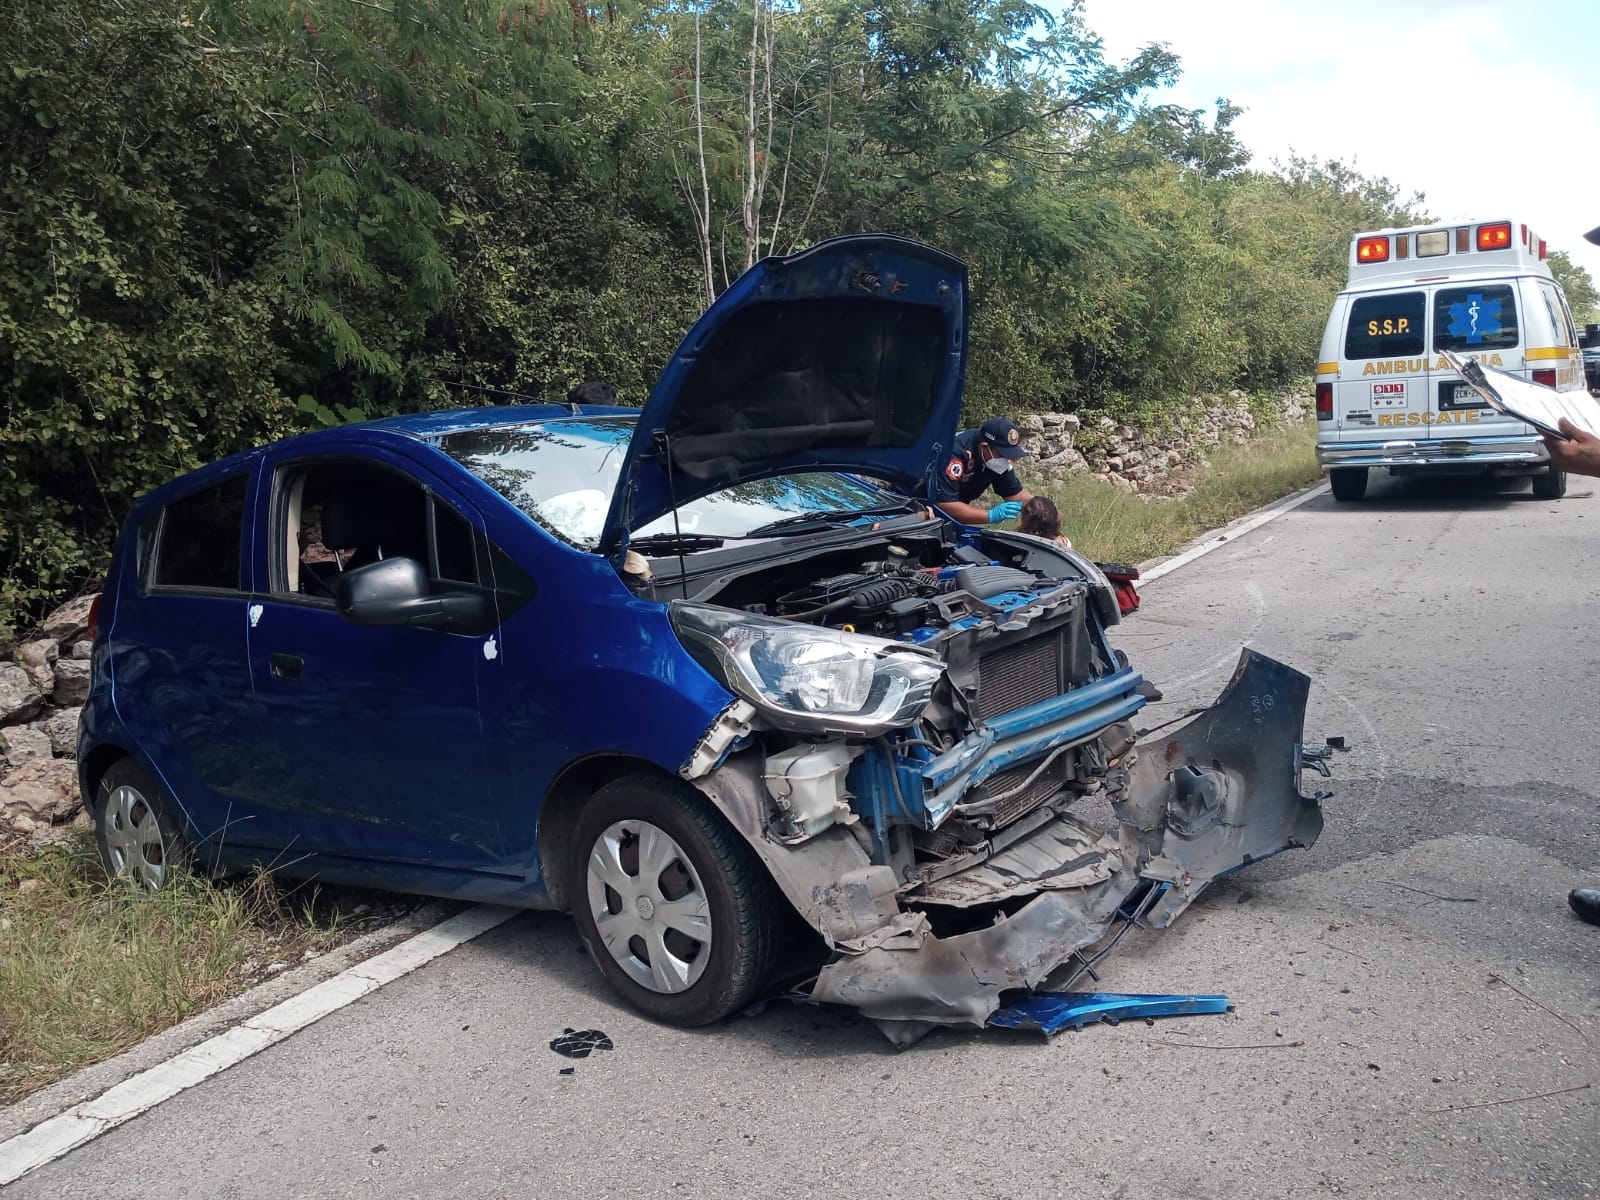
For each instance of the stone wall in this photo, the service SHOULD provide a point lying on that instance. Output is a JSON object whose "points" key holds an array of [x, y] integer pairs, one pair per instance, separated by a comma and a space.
{"points": [[41, 697], [1139, 460]]}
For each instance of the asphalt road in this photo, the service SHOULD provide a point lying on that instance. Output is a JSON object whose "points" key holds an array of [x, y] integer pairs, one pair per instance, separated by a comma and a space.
{"points": [[1420, 958]]}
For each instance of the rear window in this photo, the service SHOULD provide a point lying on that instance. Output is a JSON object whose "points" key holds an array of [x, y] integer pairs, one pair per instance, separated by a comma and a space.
{"points": [[199, 541], [1476, 317], [1388, 326]]}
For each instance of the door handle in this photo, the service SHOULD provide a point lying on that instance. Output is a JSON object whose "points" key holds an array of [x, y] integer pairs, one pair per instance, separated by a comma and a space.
{"points": [[287, 667]]}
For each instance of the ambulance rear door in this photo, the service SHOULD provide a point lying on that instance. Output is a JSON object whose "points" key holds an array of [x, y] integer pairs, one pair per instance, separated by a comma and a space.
{"points": [[1384, 379], [1479, 318]]}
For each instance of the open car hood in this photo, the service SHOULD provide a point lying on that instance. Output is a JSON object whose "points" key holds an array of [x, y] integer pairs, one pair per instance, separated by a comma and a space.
{"points": [[847, 356]]}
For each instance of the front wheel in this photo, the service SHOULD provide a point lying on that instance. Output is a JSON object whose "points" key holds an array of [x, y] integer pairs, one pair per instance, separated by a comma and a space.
{"points": [[678, 912], [1550, 484], [1349, 483], [134, 830]]}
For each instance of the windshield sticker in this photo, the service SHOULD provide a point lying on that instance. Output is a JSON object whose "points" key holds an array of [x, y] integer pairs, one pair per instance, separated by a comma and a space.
{"points": [[1475, 318]]}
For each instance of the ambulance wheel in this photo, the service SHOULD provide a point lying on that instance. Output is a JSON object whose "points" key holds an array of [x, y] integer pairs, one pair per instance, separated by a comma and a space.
{"points": [[1550, 484], [1349, 483]]}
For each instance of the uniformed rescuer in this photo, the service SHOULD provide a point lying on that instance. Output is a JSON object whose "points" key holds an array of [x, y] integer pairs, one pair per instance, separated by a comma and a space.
{"points": [[981, 460]]}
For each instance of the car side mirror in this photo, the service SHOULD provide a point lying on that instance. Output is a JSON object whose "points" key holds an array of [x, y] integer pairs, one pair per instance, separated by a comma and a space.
{"points": [[396, 591]]}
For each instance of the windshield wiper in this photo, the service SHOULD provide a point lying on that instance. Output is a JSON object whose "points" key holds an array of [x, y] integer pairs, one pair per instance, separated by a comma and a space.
{"points": [[804, 522], [687, 542]]}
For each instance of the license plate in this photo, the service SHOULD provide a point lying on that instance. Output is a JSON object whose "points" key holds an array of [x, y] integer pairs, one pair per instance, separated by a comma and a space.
{"points": [[1453, 394]]}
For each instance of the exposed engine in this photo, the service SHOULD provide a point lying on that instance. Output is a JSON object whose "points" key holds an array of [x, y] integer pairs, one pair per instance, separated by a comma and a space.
{"points": [[891, 599]]}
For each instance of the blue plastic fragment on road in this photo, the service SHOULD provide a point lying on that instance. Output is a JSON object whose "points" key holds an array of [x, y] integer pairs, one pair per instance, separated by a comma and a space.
{"points": [[1051, 1012]]}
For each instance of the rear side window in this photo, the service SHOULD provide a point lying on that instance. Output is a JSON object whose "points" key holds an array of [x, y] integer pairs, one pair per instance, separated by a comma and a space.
{"points": [[1476, 317], [1560, 316], [200, 538], [1388, 326]]}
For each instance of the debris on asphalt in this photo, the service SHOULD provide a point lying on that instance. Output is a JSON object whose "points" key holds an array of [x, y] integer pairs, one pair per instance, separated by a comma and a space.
{"points": [[1213, 1046], [580, 1043], [1502, 979], [1424, 892], [1513, 1099], [1051, 1012]]}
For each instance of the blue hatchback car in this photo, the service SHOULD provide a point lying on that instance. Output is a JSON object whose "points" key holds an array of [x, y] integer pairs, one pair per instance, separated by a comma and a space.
{"points": [[703, 674]]}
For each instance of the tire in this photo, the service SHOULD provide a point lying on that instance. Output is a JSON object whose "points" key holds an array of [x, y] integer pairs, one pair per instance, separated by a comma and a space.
{"points": [[1550, 484], [725, 895], [134, 829], [1349, 483]]}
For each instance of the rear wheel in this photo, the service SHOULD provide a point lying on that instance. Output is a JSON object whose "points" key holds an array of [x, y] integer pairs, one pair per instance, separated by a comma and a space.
{"points": [[1550, 484], [676, 909], [133, 827], [1349, 483]]}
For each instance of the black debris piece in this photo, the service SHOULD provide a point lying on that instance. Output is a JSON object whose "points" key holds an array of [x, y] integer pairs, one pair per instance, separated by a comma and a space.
{"points": [[580, 1043]]}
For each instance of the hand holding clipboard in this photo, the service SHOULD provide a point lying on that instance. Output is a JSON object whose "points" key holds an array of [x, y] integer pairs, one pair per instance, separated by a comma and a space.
{"points": [[1557, 415]]}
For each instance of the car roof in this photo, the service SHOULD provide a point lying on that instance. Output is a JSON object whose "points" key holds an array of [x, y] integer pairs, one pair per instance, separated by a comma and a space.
{"points": [[423, 427]]}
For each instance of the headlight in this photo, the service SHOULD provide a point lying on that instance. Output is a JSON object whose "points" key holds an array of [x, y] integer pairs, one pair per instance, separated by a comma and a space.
{"points": [[806, 677]]}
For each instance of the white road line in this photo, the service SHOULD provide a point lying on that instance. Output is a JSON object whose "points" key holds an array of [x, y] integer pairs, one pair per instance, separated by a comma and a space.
{"points": [[52, 1138], [1231, 534]]}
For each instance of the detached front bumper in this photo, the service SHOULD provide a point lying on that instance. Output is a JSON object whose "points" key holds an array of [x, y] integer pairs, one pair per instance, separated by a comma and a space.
{"points": [[1204, 800], [1487, 451]]}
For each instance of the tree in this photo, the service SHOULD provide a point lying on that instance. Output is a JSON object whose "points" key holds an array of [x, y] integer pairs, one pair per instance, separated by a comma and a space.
{"points": [[1579, 286]]}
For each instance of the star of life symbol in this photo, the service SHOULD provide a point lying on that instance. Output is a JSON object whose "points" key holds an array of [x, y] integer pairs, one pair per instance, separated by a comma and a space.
{"points": [[1475, 319]]}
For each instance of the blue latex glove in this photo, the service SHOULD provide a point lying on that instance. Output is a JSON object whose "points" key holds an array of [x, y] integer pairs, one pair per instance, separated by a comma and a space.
{"points": [[1006, 510]]}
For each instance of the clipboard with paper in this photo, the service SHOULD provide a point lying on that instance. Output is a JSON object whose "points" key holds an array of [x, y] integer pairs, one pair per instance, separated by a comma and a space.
{"points": [[1540, 406]]}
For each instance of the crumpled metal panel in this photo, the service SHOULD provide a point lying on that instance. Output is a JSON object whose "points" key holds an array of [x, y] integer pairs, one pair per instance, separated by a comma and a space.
{"points": [[1064, 854], [1203, 801], [1223, 791], [958, 980], [1051, 1012]]}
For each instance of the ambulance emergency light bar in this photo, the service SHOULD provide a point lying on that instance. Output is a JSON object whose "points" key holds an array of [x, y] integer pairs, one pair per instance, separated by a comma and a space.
{"points": [[1397, 245]]}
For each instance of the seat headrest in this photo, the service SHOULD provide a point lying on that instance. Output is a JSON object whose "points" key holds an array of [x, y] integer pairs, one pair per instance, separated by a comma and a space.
{"points": [[373, 514]]}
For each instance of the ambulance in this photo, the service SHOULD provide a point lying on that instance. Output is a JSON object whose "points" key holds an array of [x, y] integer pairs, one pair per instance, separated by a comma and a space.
{"points": [[1385, 395]]}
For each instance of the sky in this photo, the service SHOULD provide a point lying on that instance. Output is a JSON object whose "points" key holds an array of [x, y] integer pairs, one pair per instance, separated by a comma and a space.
{"points": [[1489, 110]]}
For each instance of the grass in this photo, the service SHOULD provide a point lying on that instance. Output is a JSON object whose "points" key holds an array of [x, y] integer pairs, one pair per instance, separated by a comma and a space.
{"points": [[90, 967], [1111, 525]]}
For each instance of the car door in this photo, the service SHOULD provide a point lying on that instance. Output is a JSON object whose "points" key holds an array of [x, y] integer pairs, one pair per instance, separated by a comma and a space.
{"points": [[179, 660], [374, 740]]}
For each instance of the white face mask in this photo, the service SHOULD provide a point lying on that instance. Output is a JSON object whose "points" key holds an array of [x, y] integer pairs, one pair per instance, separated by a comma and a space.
{"points": [[998, 465]]}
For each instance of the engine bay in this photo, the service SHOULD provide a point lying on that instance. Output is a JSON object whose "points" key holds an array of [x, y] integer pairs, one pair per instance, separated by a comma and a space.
{"points": [[909, 588]]}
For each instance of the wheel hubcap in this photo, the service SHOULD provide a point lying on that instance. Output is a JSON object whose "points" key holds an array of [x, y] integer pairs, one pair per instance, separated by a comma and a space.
{"points": [[133, 838], [649, 906]]}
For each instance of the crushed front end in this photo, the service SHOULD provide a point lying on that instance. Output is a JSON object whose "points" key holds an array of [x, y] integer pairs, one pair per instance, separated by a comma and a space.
{"points": [[929, 835]]}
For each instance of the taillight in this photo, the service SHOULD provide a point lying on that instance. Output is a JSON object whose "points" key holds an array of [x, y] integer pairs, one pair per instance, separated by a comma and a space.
{"points": [[1543, 248], [1324, 401], [1546, 376], [1372, 250], [94, 616], [1494, 237]]}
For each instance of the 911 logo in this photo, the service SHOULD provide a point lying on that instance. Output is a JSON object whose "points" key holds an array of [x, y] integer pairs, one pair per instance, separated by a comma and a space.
{"points": [[1388, 395]]}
